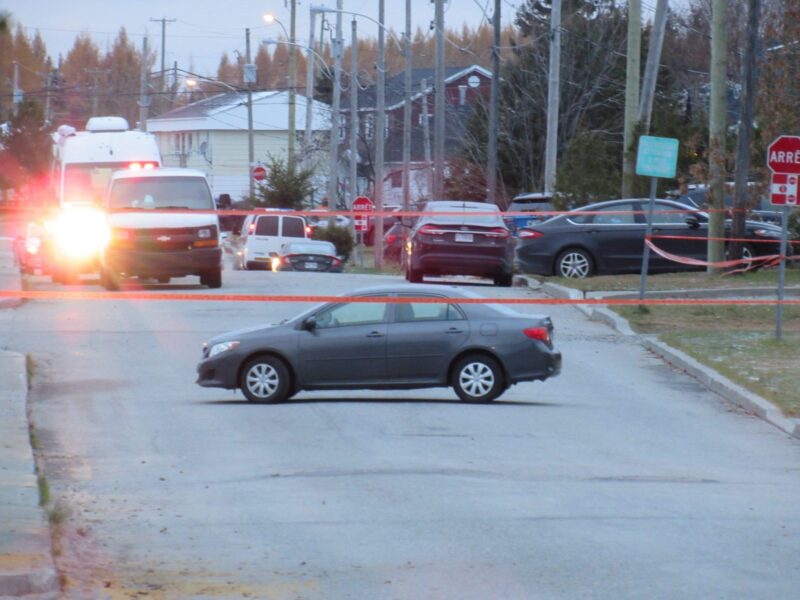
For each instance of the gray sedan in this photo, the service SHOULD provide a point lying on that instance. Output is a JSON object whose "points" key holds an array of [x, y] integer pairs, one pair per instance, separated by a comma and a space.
{"points": [[399, 337]]}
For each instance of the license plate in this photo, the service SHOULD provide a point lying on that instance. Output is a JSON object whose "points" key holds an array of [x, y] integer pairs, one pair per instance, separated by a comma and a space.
{"points": [[312, 265], [463, 237]]}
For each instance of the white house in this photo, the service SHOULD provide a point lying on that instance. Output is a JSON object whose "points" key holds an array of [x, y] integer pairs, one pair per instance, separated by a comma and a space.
{"points": [[211, 135]]}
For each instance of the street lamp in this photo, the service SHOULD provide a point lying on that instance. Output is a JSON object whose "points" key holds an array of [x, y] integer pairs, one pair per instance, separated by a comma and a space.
{"points": [[249, 103], [309, 90], [269, 18]]}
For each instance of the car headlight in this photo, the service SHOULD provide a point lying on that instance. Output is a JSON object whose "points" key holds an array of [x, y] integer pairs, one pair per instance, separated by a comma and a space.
{"points": [[768, 233], [222, 347]]}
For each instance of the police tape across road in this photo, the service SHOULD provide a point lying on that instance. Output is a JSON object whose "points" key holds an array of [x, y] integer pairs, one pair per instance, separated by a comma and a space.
{"points": [[206, 297]]}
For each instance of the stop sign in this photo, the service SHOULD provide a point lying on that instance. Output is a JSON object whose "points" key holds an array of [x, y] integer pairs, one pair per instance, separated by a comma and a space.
{"points": [[259, 172], [361, 204], [783, 155]]}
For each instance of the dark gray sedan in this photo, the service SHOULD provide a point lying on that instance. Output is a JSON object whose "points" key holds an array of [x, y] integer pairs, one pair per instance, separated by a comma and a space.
{"points": [[399, 337]]}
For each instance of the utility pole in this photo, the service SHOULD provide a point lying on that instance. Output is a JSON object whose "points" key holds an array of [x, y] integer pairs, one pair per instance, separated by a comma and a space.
{"points": [[333, 178], [380, 138], [426, 135], [251, 157], [48, 106], [407, 112], [353, 112], [292, 85], [553, 98], [17, 93], [631, 95], [439, 106], [309, 132], [162, 73], [494, 99], [716, 200], [651, 68], [143, 99], [749, 90]]}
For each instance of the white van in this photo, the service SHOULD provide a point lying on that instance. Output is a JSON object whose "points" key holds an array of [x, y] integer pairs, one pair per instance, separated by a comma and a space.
{"points": [[162, 225], [263, 235]]}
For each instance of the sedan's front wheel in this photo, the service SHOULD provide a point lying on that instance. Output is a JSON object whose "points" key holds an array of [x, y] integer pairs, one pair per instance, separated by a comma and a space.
{"points": [[265, 379], [574, 263], [477, 378]]}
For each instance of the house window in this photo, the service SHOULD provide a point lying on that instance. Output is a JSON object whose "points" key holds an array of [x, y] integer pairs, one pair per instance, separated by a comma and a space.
{"points": [[422, 117], [342, 130], [369, 127]]}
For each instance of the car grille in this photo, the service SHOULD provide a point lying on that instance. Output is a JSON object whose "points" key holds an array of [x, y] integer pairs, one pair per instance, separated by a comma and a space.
{"points": [[162, 240]]}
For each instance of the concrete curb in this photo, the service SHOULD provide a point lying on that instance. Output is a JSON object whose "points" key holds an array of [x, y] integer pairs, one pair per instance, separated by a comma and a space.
{"points": [[717, 383], [10, 277]]}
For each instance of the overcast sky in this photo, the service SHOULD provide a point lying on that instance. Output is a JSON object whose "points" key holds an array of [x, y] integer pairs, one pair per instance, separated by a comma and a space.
{"points": [[204, 29]]}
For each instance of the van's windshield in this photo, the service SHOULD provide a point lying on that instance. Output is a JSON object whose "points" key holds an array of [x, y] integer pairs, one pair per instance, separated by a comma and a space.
{"points": [[190, 193]]}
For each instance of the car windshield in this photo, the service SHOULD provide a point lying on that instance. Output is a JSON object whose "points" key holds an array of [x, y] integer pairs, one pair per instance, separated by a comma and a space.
{"points": [[160, 193], [320, 248]]}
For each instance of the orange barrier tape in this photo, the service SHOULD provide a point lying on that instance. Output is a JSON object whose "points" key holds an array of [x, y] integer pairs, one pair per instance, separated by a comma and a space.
{"points": [[206, 297], [683, 260], [775, 241]]}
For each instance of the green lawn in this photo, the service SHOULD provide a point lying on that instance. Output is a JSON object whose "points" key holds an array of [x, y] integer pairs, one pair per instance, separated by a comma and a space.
{"points": [[738, 341]]}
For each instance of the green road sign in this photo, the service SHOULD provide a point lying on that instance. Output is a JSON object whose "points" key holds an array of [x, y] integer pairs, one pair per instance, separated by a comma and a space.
{"points": [[657, 157]]}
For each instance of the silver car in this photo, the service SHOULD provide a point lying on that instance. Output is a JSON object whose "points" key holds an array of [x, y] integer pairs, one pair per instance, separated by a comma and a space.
{"points": [[398, 337]]}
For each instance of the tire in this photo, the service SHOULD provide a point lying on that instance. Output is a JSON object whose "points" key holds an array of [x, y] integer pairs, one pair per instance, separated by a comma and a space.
{"points": [[477, 378], [574, 263], [748, 252], [109, 280], [211, 278], [413, 275], [265, 380], [504, 280]]}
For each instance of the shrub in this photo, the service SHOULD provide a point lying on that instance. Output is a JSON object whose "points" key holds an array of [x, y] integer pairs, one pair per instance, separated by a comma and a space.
{"points": [[338, 236]]}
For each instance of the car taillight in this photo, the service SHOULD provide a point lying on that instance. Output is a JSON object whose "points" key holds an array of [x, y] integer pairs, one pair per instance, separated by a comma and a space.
{"points": [[431, 230], [335, 261], [498, 232], [529, 234], [309, 230], [390, 238], [538, 333]]}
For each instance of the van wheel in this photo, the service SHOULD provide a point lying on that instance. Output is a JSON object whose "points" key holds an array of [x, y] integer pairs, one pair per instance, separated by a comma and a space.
{"points": [[109, 280], [211, 278]]}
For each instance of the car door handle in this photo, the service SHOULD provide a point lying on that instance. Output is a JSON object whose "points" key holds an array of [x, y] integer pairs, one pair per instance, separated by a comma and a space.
{"points": [[454, 330], [374, 334]]}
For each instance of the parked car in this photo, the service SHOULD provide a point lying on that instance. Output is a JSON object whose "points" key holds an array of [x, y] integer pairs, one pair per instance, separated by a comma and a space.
{"points": [[454, 237], [308, 255], [478, 349], [388, 221], [31, 250], [536, 203], [608, 237], [760, 209], [394, 240]]}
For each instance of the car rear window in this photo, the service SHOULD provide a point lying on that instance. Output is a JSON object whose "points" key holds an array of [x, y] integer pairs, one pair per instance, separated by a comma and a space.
{"points": [[267, 225], [458, 215], [294, 227]]}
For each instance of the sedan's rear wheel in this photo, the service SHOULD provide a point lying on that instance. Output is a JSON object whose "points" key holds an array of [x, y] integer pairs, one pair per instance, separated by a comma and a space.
{"points": [[574, 263], [265, 379], [477, 378]]}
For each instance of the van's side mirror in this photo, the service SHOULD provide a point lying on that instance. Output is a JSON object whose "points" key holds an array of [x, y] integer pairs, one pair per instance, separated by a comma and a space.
{"points": [[310, 324]]}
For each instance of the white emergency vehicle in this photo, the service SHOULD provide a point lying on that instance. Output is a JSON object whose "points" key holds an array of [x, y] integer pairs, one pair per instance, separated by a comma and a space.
{"points": [[83, 162]]}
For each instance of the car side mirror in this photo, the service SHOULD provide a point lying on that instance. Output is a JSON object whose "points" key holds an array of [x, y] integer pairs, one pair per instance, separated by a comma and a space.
{"points": [[310, 324], [692, 221]]}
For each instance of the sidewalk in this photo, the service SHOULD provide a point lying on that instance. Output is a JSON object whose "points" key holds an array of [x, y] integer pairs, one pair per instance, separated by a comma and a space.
{"points": [[26, 563]]}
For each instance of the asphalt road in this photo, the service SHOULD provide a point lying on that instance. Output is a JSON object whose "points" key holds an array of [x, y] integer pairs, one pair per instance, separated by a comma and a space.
{"points": [[621, 478]]}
